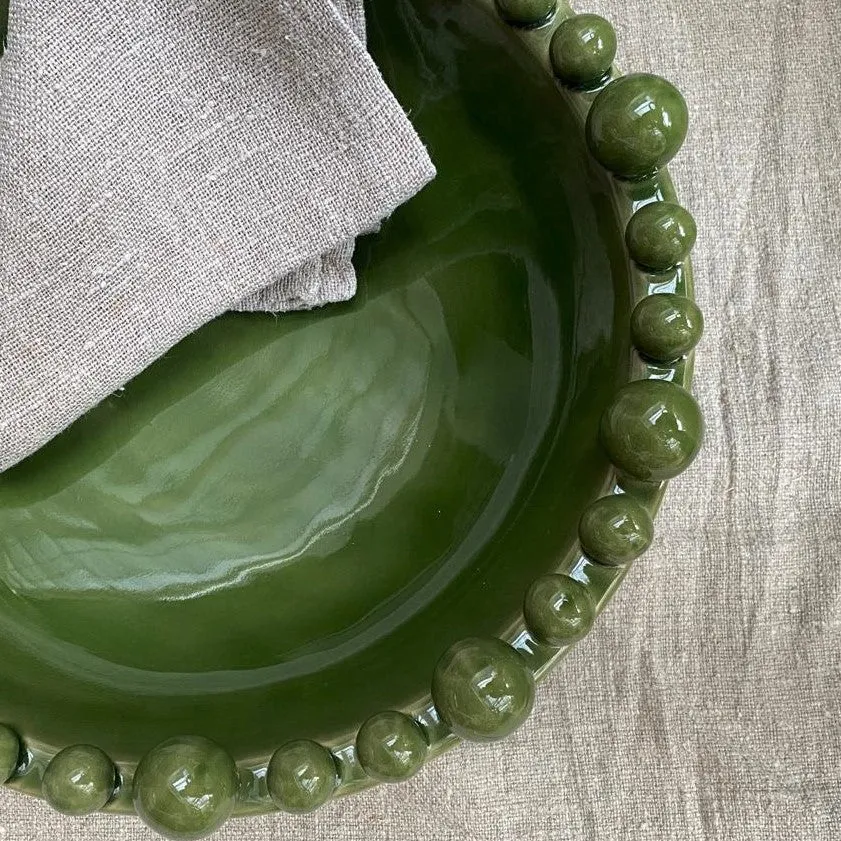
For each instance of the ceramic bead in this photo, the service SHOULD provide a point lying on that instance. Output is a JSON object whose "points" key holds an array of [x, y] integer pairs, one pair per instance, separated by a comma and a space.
{"points": [[652, 430], [79, 780], [391, 747], [666, 327], [526, 12], [558, 610], [615, 530], [483, 689], [9, 752], [636, 125], [582, 50], [660, 235], [186, 788], [301, 776]]}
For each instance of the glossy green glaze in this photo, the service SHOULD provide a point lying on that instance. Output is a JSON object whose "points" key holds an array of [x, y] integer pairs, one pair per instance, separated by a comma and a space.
{"points": [[582, 50], [391, 747], [282, 505], [79, 780], [652, 430], [186, 787], [637, 124], [9, 752], [275, 531], [526, 13], [666, 327], [483, 689], [660, 235], [558, 610], [301, 776], [615, 530]]}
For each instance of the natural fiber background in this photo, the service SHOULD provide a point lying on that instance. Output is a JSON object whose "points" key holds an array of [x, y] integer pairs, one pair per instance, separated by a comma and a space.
{"points": [[706, 704]]}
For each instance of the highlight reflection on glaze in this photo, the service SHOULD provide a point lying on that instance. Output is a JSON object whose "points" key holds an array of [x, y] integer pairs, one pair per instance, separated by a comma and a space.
{"points": [[257, 467]]}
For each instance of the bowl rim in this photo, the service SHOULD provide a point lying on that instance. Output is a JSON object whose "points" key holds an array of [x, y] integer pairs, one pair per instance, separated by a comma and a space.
{"points": [[536, 28]]}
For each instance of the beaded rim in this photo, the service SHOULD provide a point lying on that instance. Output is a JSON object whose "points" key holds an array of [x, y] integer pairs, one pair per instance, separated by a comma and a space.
{"points": [[559, 608]]}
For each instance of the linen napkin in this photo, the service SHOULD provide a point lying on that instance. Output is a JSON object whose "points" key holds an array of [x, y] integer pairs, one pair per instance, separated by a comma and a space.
{"points": [[162, 162], [330, 277]]}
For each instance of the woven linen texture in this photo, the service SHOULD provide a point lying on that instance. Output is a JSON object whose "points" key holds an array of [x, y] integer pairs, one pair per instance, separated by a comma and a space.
{"points": [[163, 162]]}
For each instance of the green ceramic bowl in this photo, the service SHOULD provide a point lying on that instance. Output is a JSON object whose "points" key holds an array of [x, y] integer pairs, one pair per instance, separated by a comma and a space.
{"points": [[300, 555]]}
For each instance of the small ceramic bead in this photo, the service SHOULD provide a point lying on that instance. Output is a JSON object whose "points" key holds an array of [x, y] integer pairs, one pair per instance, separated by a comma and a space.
{"points": [[558, 610], [9, 752], [483, 689], [666, 327], [652, 430], [660, 235], [391, 747], [301, 776], [636, 125], [582, 50], [615, 530], [526, 12], [186, 788], [79, 780]]}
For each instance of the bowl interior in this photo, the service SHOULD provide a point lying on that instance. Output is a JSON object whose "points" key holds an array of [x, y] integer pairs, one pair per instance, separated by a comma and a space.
{"points": [[276, 530]]}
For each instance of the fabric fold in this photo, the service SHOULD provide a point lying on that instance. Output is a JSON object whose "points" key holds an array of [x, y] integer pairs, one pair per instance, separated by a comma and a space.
{"points": [[163, 162], [329, 278]]}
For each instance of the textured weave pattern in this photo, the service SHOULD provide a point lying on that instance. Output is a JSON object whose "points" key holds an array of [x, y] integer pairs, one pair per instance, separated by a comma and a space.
{"points": [[223, 146], [330, 277], [706, 703]]}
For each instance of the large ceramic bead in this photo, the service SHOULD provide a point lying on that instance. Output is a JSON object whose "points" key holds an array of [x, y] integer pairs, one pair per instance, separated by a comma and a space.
{"points": [[652, 430], [79, 780], [301, 776], [483, 689], [666, 327], [615, 530], [391, 746], [637, 124], [558, 610], [186, 788], [582, 50]]}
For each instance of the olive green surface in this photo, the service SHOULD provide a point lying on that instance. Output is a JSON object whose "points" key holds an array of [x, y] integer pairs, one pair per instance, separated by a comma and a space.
{"points": [[660, 235], [652, 430], [9, 752], [391, 747], [666, 327], [582, 50], [275, 532], [615, 530], [637, 124], [79, 780], [186, 787], [558, 610], [301, 776], [483, 689], [270, 537]]}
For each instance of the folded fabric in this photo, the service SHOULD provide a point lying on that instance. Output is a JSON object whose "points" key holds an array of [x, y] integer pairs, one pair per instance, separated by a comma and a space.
{"points": [[163, 162], [330, 277]]}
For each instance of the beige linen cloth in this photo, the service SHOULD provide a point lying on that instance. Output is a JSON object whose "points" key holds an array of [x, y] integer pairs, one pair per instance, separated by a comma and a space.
{"points": [[162, 162], [706, 704]]}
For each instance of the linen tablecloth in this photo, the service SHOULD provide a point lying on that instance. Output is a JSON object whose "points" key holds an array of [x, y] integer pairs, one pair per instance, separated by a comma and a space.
{"points": [[706, 702]]}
